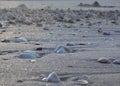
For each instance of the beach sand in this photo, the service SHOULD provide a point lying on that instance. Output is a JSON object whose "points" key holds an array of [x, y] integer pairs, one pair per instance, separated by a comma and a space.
{"points": [[89, 38]]}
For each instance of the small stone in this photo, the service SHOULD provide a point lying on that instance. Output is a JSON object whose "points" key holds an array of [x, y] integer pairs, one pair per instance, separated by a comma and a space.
{"points": [[83, 82], [29, 55], [5, 59], [45, 80], [45, 28], [103, 60], [21, 39], [96, 4], [39, 25], [1, 25], [11, 21], [69, 44], [42, 76], [5, 40], [62, 50], [32, 61], [99, 30], [116, 61], [106, 33], [20, 81], [39, 49], [52, 77]]}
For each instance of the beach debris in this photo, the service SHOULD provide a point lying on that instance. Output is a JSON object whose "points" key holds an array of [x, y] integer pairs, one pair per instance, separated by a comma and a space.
{"points": [[83, 82], [62, 50], [104, 60], [21, 39], [116, 61], [29, 54], [52, 77]]}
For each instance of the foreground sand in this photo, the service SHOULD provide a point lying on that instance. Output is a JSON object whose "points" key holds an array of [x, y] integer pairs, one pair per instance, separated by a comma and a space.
{"points": [[81, 64]]}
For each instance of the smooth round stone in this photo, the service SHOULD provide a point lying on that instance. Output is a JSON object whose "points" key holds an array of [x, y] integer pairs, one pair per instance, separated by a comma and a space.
{"points": [[103, 60], [21, 39], [29, 55], [116, 61]]}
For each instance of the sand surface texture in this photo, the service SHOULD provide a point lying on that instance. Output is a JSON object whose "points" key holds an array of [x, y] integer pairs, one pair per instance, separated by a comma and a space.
{"points": [[89, 38]]}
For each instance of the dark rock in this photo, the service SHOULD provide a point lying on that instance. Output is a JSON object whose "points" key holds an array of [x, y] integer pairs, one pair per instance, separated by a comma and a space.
{"points": [[96, 4], [39, 49], [99, 30], [1, 25], [106, 33], [69, 44], [20, 81]]}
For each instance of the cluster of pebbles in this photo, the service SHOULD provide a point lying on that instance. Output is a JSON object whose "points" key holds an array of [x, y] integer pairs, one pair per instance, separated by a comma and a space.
{"points": [[24, 15]]}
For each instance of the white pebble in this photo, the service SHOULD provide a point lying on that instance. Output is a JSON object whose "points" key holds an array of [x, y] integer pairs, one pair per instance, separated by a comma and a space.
{"points": [[83, 82]]}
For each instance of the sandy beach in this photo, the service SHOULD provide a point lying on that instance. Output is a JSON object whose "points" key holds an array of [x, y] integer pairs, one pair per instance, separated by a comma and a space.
{"points": [[80, 44]]}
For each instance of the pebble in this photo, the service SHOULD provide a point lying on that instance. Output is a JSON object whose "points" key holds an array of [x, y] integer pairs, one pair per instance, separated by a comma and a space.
{"points": [[52, 77], [62, 50], [39, 49], [21, 39], [32, 61], [116, 61], [83, 82], [5, 40], [103, 60], [29, 55], [70, 44], [1, 25], [106, 33], [20, 81]]}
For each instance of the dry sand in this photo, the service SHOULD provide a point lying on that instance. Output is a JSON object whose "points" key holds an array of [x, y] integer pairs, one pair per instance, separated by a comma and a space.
{"points": [[70, 67]]}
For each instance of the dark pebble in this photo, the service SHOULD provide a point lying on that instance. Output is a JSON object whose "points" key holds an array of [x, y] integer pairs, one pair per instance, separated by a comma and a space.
{"points": [[106, 33]]}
